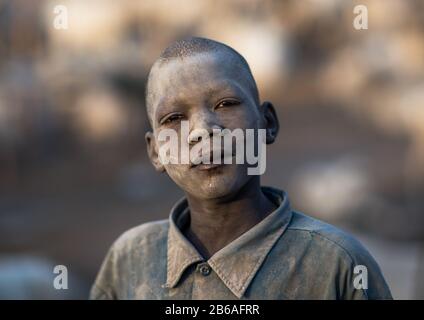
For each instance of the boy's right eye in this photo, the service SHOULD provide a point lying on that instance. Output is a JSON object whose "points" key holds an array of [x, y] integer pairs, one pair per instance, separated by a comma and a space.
{"points": [[171, 118]]}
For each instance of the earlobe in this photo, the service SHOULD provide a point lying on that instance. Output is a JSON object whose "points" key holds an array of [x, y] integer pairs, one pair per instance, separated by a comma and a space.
{"points": [[272, 124], [152, 151]]}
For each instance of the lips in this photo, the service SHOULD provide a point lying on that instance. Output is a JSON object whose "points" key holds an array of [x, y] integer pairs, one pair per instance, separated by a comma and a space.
{"points": [[200, 159], [208, 166]]}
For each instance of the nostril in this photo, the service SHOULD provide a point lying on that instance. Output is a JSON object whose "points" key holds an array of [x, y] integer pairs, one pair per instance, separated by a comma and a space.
{"points": [[197, 134]]}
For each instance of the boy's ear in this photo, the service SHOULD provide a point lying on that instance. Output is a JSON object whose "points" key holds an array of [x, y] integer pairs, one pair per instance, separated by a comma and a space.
{"points": [[272, 125], [152, 151]]}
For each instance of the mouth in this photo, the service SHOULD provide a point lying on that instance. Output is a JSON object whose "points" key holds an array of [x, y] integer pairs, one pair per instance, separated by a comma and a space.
{"points": [[209, 166]]}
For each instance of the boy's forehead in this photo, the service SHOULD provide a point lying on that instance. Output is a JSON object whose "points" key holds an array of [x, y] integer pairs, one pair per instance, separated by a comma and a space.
{"points": [[193, 75]]}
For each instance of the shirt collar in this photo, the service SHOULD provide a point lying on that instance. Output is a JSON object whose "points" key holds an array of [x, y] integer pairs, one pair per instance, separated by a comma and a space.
{"points": [[237, 263]]}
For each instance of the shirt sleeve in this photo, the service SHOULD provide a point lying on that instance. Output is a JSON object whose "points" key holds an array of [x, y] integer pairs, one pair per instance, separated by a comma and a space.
{"points": [[363, 279], [105, 285]]}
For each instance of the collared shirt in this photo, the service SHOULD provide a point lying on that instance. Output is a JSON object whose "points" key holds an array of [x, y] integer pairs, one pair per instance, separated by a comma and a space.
{"points": [[287, 255]]}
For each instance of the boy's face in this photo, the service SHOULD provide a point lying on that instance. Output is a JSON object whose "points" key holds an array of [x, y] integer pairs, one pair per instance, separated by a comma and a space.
{"points": [[208, 91]]}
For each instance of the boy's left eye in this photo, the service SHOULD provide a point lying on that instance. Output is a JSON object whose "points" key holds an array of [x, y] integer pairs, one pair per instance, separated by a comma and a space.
{"points": [[227, 103]]}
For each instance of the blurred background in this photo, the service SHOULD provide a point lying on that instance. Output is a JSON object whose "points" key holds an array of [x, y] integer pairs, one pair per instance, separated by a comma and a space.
{"points": [[74, 172]]}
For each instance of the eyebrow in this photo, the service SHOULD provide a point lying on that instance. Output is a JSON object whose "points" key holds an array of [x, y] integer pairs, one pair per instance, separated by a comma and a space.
{"points": [[164, 105]]}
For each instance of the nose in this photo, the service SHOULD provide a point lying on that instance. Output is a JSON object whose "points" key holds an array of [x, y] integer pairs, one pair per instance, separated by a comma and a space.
{"points": [[203, 126]]}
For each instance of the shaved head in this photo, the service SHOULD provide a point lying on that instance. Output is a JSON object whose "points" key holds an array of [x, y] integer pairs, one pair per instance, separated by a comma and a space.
{"points": [[190, 47]]}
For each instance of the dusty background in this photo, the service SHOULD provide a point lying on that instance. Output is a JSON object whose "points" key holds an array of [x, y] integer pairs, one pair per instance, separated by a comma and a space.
{"points": [[73, 168]]}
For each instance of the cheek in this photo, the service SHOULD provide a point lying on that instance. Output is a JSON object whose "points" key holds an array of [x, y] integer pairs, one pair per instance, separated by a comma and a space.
{"points": [[176, 172], [241, 117]]}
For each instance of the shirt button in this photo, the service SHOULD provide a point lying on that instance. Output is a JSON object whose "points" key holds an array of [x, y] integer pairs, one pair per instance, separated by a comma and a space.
{"points": [[204, 269]]}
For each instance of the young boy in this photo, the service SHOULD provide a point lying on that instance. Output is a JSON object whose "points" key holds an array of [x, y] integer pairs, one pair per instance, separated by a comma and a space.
{"points": [[229, 238]]}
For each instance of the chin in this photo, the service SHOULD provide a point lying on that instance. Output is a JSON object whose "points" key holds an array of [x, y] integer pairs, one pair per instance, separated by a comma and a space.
{"points": [[218, 187], [215, 191], [221, 183]]}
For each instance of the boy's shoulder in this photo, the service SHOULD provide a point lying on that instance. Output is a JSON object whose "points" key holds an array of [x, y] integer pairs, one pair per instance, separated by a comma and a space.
{"points": [[149, 233], [326, 248], [327, 236]]}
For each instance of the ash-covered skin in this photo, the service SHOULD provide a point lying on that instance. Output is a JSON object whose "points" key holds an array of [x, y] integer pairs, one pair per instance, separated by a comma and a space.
{"points": [[208, 89]]}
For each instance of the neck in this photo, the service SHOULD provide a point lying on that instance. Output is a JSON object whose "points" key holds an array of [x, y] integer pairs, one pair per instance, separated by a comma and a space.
{"points": [[214, 223]]}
